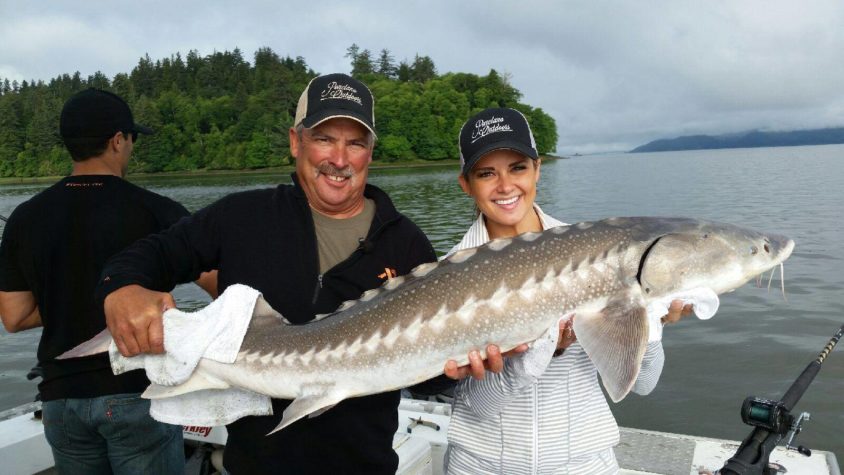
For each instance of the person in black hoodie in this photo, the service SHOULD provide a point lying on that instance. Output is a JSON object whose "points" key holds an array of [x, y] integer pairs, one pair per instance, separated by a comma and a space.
{"points": [[308, 246]]}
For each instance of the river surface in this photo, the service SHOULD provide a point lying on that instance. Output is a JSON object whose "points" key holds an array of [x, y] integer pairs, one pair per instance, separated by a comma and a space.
{"points": [[757, 344]]}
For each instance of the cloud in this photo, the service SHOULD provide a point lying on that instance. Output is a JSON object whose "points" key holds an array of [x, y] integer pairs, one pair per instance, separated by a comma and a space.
{"points": [[613, 74]]}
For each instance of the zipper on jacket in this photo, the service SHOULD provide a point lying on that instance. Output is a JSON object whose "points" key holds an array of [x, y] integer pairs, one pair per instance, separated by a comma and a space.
{"points": [[316, 289], [363, 244]]}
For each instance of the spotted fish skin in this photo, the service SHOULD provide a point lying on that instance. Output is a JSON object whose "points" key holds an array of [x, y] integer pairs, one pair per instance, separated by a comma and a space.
{"points": [[508, 291]]}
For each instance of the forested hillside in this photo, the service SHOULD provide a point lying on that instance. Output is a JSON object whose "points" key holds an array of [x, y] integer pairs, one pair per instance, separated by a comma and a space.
{"points": [[221, 111]]}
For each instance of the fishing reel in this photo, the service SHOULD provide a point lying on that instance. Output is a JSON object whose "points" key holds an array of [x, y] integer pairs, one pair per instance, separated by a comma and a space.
{"points": [[774, 417], [767, 414]]}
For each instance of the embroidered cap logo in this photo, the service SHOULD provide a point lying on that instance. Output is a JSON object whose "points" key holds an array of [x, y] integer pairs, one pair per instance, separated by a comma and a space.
{"points": [[334, 90], [489, 126]]}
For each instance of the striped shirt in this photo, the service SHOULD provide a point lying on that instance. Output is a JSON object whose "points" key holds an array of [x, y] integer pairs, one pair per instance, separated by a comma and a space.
{"points": [[511, 423]]}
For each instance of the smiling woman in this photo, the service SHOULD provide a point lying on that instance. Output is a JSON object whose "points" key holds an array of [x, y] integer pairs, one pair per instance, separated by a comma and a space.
{"points": [[495, 425]]}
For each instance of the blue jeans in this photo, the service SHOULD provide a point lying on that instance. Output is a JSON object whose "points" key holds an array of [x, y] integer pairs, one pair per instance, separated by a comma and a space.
{"points": [[111, 434]]}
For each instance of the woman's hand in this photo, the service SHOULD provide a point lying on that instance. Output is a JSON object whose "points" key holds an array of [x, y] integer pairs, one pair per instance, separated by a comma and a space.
{"points": [[567, 336], [676, 311], [478, 366]]}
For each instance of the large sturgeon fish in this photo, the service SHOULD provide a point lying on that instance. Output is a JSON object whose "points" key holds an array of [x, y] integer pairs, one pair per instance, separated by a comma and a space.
{"points": [[507, 292]]}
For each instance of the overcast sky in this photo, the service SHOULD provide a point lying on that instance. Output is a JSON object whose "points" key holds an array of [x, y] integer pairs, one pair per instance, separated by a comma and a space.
{"points": [[614, 74]]}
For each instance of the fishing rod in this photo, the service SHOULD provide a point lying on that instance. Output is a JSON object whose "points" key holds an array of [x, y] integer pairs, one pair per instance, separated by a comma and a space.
{"points": [[773, 421]]}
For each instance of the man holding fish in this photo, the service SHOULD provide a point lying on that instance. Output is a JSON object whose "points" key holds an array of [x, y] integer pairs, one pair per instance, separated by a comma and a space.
{"points": [[326, 238], [549, 415]]}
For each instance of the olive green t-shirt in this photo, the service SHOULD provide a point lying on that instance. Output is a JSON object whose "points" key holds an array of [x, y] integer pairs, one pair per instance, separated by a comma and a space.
{"points": [[337, 239]]}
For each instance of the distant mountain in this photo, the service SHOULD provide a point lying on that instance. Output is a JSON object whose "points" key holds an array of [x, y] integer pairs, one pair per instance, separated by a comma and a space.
{"points": [[746, 140]]}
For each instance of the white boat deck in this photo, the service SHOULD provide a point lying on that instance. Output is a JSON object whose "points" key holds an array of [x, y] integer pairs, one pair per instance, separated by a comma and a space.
{"points": [[640, 452], [24, 450]]}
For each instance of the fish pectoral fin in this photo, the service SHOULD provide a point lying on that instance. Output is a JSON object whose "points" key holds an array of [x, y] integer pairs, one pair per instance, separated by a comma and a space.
{"points": [[319, 412], [196, 382], [316, 400], [96, 345], [615, 338]]}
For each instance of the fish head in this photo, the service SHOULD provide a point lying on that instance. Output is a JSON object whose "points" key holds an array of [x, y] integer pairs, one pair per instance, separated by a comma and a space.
{"points": [[717, 256]]}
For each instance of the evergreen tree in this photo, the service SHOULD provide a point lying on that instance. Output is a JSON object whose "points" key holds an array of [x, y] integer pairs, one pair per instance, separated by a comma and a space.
{"points": [[122, 86], [403, 72], [98, 80], [143, 77], [386, 65], [502, 92], [11, 133], [41, 131], [352, 52], [361, 60], [422, 69]]}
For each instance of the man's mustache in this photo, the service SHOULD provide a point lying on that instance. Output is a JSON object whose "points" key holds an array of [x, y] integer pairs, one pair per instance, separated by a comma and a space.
{"points": [[328, 169]]}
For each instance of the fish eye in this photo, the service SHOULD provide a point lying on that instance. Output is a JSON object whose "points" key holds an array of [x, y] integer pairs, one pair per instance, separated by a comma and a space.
{"points": [[754, 250]]}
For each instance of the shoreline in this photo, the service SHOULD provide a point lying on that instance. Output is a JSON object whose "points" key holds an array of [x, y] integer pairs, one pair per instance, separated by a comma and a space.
{"points": [[282, 170]]}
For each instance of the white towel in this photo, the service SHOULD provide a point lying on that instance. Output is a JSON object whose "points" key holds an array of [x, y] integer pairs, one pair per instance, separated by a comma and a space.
{"points": [[214, 332], [704, 304]]}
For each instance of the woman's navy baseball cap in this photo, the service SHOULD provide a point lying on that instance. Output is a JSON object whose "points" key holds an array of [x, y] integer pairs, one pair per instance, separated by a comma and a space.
{"points": [[495, 129]]}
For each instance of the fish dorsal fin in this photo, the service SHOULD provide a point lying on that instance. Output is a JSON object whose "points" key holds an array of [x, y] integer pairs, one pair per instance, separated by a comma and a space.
{"points": [[314, 400], [343, 306], [423, 269], [196, 382], [346, 305], [369, 294], [461, 255], [263, 314], [615, 337]]}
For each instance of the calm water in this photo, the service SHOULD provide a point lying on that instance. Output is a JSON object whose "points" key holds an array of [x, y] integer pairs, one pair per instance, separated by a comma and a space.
{"points": [[757, 344]]}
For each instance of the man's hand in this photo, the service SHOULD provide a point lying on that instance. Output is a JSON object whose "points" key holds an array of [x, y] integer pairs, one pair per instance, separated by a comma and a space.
{"points": [[477, 366], [676, 311], [134, 318]]}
